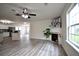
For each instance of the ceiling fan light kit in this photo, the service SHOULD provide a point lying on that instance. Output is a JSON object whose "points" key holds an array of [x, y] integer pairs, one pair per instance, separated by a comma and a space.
{"points": [[24, 16]]}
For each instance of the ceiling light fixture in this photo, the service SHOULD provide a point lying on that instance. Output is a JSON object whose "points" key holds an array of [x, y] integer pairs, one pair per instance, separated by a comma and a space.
{"points": [[6, 21], [24, 16]]}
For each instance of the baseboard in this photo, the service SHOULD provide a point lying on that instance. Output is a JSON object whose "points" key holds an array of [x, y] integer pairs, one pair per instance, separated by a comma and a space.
{"points": [[63, 49], [38, 38]]}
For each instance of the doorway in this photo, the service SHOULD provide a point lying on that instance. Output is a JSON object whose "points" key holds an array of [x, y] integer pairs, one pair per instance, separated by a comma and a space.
{"points": [[24, 30]]}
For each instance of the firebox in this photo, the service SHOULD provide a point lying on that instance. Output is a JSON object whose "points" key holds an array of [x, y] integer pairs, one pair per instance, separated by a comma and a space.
{"points": [[54, 37]]}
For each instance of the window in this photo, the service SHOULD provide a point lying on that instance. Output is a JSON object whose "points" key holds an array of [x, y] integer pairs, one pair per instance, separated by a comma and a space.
{"points": [[73, 25]]}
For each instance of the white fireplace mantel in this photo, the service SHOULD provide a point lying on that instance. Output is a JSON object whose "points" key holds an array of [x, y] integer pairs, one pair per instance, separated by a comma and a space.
{"points": [[56, 30]]}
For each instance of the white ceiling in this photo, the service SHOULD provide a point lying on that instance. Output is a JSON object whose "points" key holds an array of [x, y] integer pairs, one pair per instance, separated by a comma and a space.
{"points": [[42, 11]]}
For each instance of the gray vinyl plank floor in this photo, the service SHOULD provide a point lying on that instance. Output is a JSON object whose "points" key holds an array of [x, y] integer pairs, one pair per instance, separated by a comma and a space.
{"points": [[32, 47]]}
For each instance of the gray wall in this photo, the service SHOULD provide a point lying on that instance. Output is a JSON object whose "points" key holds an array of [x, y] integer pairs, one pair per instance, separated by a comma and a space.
{"points": [[69, 50]]}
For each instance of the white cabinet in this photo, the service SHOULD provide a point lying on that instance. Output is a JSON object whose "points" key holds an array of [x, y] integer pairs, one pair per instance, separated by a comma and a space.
{"points": [[3, 27], [5, 34], [15, 36]]}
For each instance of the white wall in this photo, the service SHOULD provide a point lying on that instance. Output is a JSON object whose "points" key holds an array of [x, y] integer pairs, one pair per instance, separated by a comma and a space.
{"points": [[37, 28], [69, 50]]}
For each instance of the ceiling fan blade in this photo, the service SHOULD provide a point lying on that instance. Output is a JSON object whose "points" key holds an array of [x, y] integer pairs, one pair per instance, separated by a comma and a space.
{"points": [[32, 14], [18, 14], [29, 17]]}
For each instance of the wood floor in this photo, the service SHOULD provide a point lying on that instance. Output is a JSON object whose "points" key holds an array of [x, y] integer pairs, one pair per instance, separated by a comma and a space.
{"points": [[32, 47]]}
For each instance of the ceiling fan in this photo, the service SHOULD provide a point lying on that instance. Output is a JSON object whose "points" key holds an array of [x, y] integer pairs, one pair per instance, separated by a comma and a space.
{"points": [[25, 13]]}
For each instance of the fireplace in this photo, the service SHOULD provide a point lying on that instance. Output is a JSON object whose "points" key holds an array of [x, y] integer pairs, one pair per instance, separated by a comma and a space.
{"points": [[54, 37]]}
